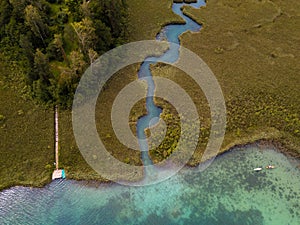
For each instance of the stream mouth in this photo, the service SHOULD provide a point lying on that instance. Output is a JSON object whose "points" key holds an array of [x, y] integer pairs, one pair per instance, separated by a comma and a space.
{"points": [[85, 131], [148, 53], [227, 192], [171, 34]]}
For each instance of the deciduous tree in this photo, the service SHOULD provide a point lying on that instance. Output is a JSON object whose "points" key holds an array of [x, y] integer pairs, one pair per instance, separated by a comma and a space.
{"points": [[77, 63], [35, 22], [93, 55], [85, 33]]}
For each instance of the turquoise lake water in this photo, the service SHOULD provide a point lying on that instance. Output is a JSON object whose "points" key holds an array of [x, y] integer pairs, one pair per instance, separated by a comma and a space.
{"points": [[227, 192]]}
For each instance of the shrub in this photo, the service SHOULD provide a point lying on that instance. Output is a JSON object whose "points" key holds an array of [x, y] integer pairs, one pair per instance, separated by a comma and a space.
{"points": [[62, 18], [2, 118]]}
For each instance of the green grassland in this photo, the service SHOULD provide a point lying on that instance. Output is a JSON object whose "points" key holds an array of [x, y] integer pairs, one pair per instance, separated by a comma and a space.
{"points": [[26, 132], [253, 49], [27, 129], [142, 26], [148, 17], [251, 46]]}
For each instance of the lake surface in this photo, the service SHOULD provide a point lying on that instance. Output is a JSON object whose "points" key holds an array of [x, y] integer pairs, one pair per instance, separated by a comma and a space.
{"points": [[227, 192]]}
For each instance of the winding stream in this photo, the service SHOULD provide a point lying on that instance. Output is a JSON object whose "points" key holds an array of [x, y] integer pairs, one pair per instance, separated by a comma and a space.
{"points": [[171, 34]]}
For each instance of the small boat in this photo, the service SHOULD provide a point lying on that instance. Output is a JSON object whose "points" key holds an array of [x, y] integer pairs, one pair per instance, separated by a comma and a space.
{"points": [[257, 169], [270, 167]]}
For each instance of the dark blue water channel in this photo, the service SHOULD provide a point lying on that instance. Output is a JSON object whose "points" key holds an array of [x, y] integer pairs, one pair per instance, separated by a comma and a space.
{"points": [[171, 34]]}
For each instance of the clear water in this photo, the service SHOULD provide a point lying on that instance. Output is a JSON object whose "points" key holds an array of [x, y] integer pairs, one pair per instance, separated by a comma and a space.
{"points": [[228, 192]]}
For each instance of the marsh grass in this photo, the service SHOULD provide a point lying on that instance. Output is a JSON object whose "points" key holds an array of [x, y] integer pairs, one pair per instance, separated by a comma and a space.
{"points": [[26, 134], [146, 20], [256, 64], [27, 151], [251, 46], [148, 17]]}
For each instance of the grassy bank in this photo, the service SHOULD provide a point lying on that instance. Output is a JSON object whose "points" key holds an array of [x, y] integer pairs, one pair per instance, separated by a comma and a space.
{"points": [[146, 20], [26, 132], [251, 48], [148, 17], [27, 151]]}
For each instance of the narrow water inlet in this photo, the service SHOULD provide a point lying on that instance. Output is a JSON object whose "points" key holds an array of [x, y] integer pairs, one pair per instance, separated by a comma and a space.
{"points": [[171, 34]]}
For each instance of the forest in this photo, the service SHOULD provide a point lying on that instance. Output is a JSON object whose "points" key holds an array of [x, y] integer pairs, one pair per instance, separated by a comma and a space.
{"points": [[54, 41]]}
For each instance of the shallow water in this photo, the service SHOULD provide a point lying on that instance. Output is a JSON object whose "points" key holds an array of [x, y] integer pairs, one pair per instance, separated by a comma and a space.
{"points": [[227, 192]]}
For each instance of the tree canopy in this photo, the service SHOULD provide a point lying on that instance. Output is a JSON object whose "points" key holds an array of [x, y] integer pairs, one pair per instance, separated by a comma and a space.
{"points": [[55, 40]]}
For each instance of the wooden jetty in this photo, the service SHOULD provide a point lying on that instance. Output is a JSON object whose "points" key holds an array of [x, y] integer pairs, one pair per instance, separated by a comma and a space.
{"points": [[57, 173]]}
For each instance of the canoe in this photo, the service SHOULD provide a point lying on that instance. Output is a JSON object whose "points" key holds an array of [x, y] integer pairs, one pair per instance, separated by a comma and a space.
{"points": [[270, 167]]}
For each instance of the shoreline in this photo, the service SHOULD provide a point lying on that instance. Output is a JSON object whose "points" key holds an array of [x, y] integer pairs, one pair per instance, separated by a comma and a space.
{"points": [[266, 144], [260, 144], [286, 149]]}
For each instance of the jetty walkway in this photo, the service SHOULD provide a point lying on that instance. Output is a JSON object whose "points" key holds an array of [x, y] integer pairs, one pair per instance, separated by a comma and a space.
{"points": [[57, 173]]}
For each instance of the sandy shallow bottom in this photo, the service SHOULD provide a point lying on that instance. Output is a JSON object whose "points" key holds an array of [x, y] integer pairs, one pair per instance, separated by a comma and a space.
{"points": [[227, 192]]}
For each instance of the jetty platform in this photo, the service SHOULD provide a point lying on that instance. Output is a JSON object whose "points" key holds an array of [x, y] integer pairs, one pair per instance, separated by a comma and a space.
{"points": [[58, 174]]}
